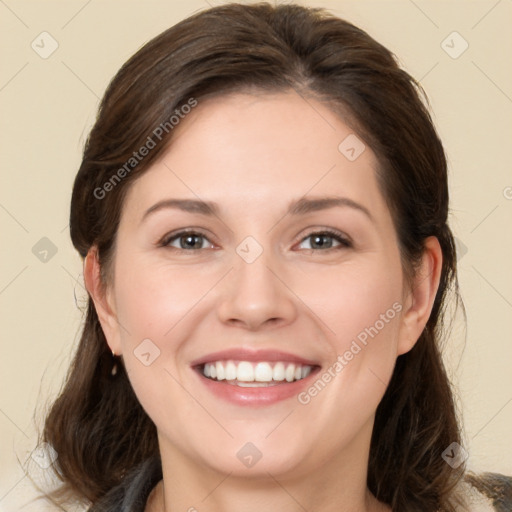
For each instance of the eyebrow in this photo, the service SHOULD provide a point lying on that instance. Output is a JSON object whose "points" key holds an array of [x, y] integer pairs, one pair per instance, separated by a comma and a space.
{"points": [[301, 206]]}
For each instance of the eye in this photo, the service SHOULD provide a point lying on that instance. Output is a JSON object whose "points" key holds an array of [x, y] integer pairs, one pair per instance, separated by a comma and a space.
{"points": [[192, 240], [323, 240], [186, 241]]}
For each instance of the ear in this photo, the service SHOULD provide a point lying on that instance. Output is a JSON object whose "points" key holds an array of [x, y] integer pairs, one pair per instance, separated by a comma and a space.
{"points": [[101, 295], [419, 299]]}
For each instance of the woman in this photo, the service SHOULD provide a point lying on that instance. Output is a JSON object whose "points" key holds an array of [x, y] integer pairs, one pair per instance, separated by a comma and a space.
{"points": [[262, 212]]}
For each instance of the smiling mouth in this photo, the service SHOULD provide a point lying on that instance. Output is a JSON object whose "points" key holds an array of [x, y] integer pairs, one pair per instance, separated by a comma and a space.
{"points": [[248, 374]]}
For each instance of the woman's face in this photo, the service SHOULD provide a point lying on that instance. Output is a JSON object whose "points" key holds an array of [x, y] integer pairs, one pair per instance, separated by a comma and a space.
{"points": [[259, 290]]}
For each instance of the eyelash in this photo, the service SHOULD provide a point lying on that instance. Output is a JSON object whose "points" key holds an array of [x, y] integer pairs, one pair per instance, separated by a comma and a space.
{"points": [[345, 243]]}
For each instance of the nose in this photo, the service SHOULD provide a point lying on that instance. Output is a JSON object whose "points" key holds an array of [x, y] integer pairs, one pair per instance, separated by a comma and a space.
{"points": [[255, 296]]}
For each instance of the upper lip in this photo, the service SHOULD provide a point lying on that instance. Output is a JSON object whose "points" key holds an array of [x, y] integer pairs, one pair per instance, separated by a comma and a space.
{"points": [[244, 354]]}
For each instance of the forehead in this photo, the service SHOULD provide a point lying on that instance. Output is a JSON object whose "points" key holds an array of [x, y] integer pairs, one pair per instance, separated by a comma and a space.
{"points": [[259, 150]]}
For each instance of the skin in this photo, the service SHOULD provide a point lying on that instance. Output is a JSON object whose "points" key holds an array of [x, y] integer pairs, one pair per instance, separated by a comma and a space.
{"points": [[253, 155]]}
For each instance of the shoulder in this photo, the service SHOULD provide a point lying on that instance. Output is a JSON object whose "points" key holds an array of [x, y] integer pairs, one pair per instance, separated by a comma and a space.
{"points": [[132, 493], [495, 487], [486, 492]]}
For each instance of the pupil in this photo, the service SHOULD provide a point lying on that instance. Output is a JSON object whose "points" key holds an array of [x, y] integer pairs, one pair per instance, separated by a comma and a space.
{"points": [[319, 241], [188, 240]]}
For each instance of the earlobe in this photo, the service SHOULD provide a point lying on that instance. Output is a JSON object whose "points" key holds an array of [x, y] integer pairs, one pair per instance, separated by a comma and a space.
{"points": [[420, 298], [103, 303]]}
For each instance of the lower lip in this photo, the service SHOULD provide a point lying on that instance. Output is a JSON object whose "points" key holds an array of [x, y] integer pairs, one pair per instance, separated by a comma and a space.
{"points": [[257, 396]]}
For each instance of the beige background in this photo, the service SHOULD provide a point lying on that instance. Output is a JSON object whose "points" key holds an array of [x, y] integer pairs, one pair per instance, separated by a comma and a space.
{"points": [[48, 106]]}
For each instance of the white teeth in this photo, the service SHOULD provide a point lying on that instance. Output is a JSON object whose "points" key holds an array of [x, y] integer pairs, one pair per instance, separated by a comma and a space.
{"points": [[247, 374], [230, 370], [263, 372], [221, 374], [290, 372], [278, 372]]}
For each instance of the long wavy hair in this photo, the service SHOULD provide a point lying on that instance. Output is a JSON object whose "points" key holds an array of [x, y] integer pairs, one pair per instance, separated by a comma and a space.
{"points": [[96, 425]]}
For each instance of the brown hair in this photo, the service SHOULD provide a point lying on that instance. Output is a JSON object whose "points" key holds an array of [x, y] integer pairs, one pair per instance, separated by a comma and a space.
{"points": [[96, 425]]}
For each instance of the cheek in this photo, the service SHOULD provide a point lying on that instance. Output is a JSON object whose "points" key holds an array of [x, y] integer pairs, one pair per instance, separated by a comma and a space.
{"points": [[367, 329], [362, 308], [158, 307], [156, 303], [353, 300], [153, 299]]}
